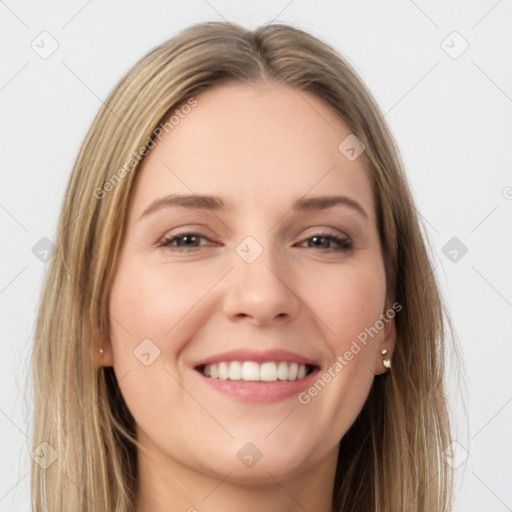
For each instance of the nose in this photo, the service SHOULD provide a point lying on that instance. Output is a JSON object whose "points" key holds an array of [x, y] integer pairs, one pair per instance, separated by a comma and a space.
{"points": [[261, 292]]}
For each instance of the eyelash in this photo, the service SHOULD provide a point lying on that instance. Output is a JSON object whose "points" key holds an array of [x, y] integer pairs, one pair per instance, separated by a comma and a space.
{"points": [[343, 244]]}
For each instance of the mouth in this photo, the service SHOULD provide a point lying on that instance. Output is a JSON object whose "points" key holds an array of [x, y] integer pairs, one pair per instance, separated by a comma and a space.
{"points": [[252, 371], [253, 376]]}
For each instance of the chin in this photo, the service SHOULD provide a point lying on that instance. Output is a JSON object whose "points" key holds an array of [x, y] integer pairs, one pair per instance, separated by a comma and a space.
{"points": [[261, 462]]}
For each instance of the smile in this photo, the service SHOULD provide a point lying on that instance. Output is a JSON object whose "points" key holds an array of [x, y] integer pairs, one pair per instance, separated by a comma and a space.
{"points": [[251, 371]]}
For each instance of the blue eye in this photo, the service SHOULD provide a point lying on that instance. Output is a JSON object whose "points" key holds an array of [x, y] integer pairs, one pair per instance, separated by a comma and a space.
{"points": [[190, 241], [342, 244]]}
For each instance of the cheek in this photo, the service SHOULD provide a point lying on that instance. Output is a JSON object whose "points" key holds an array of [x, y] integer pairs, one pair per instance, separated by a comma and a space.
{"points": [[348, 303], [348, 308], [152, 301], [153, 314]]}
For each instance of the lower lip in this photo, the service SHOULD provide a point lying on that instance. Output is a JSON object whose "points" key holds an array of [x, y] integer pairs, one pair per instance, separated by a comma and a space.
{"points": [[262, 392]]}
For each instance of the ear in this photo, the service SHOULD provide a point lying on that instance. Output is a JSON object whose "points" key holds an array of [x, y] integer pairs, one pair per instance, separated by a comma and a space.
{"points": [[100, 341], [387, 340]]}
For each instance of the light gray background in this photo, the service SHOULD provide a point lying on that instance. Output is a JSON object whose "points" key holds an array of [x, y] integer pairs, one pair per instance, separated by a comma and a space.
{"points": [[451, 117]]}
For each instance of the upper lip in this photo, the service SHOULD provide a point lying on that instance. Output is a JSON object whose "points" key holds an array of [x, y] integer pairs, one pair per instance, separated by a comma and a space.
{"points": [[258, 356]]}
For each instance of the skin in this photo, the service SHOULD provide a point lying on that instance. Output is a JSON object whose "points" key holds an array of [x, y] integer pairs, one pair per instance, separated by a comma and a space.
{"points": [[259, 147]]}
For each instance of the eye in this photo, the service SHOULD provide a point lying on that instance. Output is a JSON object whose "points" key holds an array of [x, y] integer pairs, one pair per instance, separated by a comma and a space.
{"points": [[189, 241], [322, 241], [182, 242]]}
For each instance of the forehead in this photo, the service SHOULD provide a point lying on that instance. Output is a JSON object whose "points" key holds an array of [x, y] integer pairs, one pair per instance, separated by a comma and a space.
{"points": [[256, 145]]}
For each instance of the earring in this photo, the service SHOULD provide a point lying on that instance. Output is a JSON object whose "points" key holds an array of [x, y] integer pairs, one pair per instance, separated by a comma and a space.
{"points": [[101, 350], [386, 362]]}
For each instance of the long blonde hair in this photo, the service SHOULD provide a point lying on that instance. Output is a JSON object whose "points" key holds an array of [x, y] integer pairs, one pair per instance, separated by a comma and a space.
{"points": [[393, 458]]}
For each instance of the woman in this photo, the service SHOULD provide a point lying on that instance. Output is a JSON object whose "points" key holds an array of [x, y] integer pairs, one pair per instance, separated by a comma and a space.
{"points": [[241, 313]]}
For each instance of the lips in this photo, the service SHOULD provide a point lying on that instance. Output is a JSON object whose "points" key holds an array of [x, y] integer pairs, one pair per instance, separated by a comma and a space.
{"points": [[258, 376]]}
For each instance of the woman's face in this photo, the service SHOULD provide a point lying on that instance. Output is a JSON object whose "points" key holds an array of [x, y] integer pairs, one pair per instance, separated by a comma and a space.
{"points": [[251, 285]]}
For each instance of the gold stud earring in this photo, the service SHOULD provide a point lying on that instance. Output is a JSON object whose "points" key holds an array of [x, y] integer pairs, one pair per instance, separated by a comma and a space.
{"points": [[386, 362], [101, 350]]}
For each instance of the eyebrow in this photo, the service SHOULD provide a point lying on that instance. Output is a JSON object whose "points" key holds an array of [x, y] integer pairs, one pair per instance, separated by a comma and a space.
{"points": [[216, 204]]}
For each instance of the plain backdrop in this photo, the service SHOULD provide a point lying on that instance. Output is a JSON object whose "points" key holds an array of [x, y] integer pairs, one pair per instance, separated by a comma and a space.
{"points": [[441, 72]]}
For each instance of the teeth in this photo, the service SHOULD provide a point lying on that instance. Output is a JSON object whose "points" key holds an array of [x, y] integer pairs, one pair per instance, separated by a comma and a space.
{"points": [[268, 372], [251, 371], [223, 371], [282, 371], [235, 371]]}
